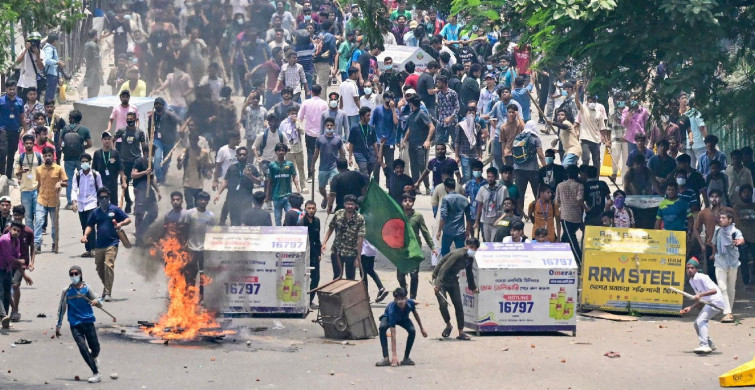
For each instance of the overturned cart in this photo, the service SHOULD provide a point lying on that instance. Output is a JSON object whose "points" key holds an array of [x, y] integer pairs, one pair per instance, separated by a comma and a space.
{"points": [[345, 311]]}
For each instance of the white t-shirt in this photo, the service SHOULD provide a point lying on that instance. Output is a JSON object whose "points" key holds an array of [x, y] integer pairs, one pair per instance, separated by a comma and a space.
{"points": [[348, 92], [591, 122], [368, 249], [225, 157], [372, 102], [702, 283], [28, 78], [508, 239]]}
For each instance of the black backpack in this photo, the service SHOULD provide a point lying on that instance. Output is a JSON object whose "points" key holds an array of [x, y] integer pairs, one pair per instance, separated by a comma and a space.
{"points": [[72, 143], [264, 140]]}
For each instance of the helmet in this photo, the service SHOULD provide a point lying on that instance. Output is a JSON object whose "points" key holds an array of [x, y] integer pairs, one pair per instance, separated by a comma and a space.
{"points": [[35, 36]]}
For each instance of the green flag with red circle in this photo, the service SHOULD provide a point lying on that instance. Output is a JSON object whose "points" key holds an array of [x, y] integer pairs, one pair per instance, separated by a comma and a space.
{"points": [[389, 231]]}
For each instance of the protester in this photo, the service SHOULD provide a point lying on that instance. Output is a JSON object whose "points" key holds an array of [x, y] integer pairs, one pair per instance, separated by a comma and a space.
{"points": [[708, 220], [419, 134], [330, 147], [26, 173], [78, 299], [446, 282], [349, 227], [106, 220], [705, 291], [454, 218], [51, 177], [28, 255], [310, 220], [505, 222], [362, 143], [281, 173], [239, 179], [517, 234], [197, 220], [130, 149], [345, 183], [623, 217], [84, 195], [726, 239], [545, 213], [255, 216], [107, 162], [74, 140], [597, 195], [570, 198], [196, 165], [146, 196], [489, 205], [397, 313], [310, 115]]}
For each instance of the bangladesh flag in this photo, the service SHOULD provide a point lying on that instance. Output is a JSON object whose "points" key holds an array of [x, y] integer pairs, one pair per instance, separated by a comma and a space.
{"points": [[389, 230]]}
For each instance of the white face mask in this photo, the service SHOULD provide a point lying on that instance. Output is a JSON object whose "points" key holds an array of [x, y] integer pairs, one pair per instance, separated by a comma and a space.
{"points": [[333, 104], [85, 166], [368, 91], [591, 106], [471, 252], [75, 279]]}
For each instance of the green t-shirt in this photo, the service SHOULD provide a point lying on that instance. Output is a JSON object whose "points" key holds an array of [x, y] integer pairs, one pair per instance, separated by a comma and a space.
{"points": [[344, 55], [281, 175], [674, 214]]}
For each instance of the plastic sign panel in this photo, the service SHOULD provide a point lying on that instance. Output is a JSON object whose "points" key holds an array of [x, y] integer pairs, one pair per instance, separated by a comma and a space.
{"points": [[628, 270], [522, 287], [257, 269]]}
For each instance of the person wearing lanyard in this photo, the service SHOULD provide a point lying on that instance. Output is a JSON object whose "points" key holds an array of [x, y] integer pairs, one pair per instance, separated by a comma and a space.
{"points": [[107, 162], [239, 179], [295, 154], [363, 143], [11, 118]]}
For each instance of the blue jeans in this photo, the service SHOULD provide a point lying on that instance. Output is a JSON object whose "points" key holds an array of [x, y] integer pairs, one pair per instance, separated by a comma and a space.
{"points": [[570, 159], [40, 215], [29, 200], [52, 87], [70, 167], [280, 206], [497, 154], [353, 121], [159, 150], [447, 239], [466, 168]]}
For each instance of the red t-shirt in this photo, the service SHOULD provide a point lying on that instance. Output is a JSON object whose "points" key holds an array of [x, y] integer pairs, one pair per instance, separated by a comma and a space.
{"points": [[411, 80], [522, 59]]}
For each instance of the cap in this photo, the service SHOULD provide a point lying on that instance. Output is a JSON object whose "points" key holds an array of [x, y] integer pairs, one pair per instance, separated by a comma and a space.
{"points": [[693, 262], [413, 24], [76, 268], [159, 100], [34, 36], [410, 91], [106, 134], [490, 76], [5, 199]]}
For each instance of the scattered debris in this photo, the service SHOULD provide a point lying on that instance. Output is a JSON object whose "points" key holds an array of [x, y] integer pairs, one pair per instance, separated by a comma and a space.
{"points": [[23, 341], [532, 345], [248, 343], [662, 326], [278, 325], [212, 359], [608, 316], [41, 315], [114, 376], [563, 360], [612, 354], [76, 378], [505, 349], [331, 372]]}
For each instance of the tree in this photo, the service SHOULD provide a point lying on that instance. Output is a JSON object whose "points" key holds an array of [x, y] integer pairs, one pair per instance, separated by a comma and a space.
{"points": [[34, 15], [376, 18], [705, 45]]}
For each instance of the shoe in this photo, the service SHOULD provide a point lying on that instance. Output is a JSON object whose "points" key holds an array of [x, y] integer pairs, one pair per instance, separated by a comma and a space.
{"points": [[53, 248], [44, 232], [711, 345], [324, 204], [309, 179], [69, 206], [313, 307], [88, 254], [383, 363], [447, 331], [727, 319], [381, 295], [127, 210], [38, 247], [15, 317], [106, 298], [304, 191], [96, 378], [407, 362], [428, 191], [703, 349], [6, 322]]}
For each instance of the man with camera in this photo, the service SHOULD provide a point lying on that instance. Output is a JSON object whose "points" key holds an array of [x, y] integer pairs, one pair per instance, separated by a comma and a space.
{"points": [[32, 66]]}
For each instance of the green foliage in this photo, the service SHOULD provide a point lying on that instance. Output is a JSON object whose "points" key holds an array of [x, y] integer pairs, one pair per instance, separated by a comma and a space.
{"points": [[376, 19], [617, 44], [34, 15]]}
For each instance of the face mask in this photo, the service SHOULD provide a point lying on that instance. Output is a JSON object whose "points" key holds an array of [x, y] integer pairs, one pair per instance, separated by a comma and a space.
{"points": [[475, 28], [330, 131], [489, 66], [619, 202], [633, 103], [130, 123], [75, 279], [477, 173], [368, 91], [48, 161], [549, 160], [621, 104], [104, 204], [471, 252], [563, 93], [85, 166], [333, 104], [240, 21], [591, 106], [681, 181], [389, 67], [664, 118]]}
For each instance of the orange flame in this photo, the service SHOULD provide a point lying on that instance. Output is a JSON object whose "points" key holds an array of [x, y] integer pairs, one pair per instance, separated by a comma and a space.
{"points": [[185, 318]]}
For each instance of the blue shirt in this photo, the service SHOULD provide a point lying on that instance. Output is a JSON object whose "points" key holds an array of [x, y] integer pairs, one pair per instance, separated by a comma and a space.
{"points": [[703, 162], [630, 158], [471, 188], [396, 315], [77, 304], [51, 59], [103, 221], [10, 113], [382, 121], [450, 32], [520, 95], [454, 210]]}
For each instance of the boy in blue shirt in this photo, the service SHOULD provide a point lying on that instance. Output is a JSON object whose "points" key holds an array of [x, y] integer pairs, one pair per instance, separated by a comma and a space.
{"points": [[397, 313], [78, 298]]}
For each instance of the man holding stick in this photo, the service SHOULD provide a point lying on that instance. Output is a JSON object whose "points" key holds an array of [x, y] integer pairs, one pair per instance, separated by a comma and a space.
{"points": [[705, 292]]}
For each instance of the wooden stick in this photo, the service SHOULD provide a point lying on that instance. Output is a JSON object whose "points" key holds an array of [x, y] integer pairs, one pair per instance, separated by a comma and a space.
{"points": [[690, 296], [542, 114], [56, 225], [151, 147]]}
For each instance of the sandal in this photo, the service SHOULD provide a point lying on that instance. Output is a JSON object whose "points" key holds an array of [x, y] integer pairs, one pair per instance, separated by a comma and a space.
{"points": [[383, 363], [23, 341], [407, 362], [463, 337], [447, 331]]}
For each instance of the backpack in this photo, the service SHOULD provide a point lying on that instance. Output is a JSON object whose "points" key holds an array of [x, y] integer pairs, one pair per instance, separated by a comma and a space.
{"points": [[264, 140], [77, 175], [72, 143], [23, 155], [524, 147]]}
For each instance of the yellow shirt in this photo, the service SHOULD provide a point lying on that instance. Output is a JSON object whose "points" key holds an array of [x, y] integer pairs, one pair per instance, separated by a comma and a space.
{"points": [[139, 91], [48, 176], [27, 166]]}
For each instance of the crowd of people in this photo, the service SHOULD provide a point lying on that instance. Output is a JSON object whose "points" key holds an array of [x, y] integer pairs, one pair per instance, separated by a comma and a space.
{"points": [[319, 108]]}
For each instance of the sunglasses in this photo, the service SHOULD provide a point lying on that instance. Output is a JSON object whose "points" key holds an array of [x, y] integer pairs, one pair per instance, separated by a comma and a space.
{"points": [[103, 197], [73, 274]]}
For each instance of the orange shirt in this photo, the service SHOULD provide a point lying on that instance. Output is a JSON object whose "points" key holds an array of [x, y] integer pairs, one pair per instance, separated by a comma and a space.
{"points": [[48, 176], [545, 214]]}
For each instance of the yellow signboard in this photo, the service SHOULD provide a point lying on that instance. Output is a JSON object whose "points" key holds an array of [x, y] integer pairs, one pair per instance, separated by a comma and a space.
{"points": [[629, 269]]}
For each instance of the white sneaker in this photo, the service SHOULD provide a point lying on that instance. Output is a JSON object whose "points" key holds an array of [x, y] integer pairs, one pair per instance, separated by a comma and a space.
{"points": [[96, 378], [712, 346], [703, 349]]}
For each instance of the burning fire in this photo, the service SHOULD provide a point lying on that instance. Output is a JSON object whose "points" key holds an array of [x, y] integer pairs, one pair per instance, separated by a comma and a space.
{"points": [[185, 318]]}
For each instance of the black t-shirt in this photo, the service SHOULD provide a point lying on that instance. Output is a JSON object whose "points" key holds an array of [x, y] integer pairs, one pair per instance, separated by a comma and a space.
{"points": [[465, 53], [141, 183], [165, 126], [131, 146], [256, 217], [392, 81], [240, 187], [419, 127], [424, 83], [396, 184], [363, 143], [108, 164], [347, 183], [596, 192], [437, 167], [365, 60], [313, 230], [291, 218], [552, 176], [120, 32]]}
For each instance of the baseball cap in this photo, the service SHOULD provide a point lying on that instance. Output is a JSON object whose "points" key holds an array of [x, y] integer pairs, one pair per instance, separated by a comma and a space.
{"points": [[413, 24], [106, 134], [5, 199], [489, 76], [410, 91]]}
